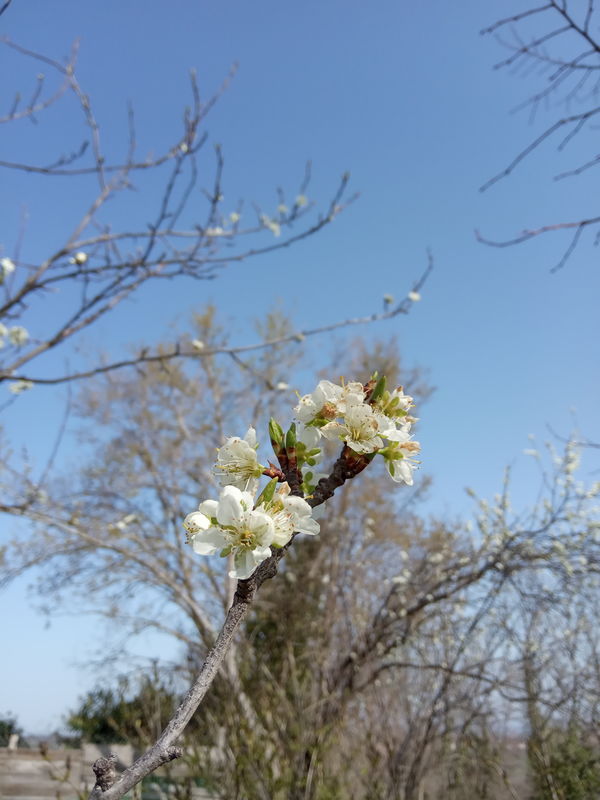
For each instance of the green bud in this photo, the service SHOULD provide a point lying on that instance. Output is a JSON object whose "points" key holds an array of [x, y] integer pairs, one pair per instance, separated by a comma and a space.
{"points": [[290, 439], [275, 432], [378, 390]]}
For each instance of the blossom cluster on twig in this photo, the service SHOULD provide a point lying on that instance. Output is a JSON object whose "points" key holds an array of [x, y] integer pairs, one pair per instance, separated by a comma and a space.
{"points": [[368, 419]]}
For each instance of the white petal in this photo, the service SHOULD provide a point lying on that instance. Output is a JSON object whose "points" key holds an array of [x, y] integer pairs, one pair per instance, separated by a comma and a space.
{"points": [[208, 508], [396, 434], [244, 565], [230, 511], [250, 437], [327, 392], [368, 446], [333, 430], [246, 561], [297, 506], [308, 525], [196, 521], [402, 471], [261, 525], [207, 543], [308, 435]]}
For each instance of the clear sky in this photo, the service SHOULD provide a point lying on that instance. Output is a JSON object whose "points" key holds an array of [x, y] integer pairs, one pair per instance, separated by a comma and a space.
{"points": [[404, 96]]}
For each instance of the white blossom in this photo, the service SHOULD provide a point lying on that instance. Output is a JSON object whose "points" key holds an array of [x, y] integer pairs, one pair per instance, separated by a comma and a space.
{"points": [[290, 514], [7, 266], [414, 296], [321, 404], [232, 526], [237, 462], [360, 430], [399, 460], [271, 224], [18, 335], [396, 405], [20, 386]]}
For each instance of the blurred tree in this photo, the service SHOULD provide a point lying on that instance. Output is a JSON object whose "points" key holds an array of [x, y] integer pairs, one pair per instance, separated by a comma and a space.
{"points": [[385, 648], [125, 714], [9, 727]]}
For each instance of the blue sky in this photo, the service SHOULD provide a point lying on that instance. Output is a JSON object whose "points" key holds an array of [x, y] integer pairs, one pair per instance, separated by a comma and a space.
{"points": [[404, 96]]}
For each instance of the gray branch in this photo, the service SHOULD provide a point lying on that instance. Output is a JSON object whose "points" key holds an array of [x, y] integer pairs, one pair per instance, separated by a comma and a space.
{"points": [[164, 750]]}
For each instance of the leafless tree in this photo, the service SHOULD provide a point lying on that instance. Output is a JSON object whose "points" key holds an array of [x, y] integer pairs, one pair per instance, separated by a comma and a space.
{"points": [[557, 41], [104, 258], [383, 611]]}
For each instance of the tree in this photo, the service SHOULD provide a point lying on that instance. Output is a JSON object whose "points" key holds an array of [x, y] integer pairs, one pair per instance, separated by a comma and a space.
{"points": [[9, 727], [127, 714], [103, 259], [385, 644], [557, 40]]}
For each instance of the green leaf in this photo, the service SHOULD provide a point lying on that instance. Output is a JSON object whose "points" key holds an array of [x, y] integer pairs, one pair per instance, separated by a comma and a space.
{"points": [[267, 493]]}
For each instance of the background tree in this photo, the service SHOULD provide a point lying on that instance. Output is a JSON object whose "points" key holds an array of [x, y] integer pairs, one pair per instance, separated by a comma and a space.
{"points": [[8, 727], [379, 660], [558, 41]]}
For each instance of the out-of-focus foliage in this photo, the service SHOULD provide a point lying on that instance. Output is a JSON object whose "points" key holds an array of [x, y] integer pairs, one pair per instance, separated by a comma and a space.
{"points": [[390, 653]]}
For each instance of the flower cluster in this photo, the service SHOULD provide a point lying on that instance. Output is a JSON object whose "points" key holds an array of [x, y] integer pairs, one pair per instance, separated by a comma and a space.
{"points": [[369, 419], [17, 335], [236, 524]]}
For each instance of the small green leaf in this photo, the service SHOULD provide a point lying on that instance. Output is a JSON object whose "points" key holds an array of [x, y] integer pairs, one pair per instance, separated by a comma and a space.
{"points": [[267, 493]]}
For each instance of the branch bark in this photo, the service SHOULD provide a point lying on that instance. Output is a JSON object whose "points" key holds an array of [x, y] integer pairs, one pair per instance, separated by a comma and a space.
{"points": [[165, 749]]}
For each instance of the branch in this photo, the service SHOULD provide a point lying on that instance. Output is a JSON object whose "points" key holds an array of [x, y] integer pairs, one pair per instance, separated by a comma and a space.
{"points": [[178, 353], [578, 120], [164, 750], [575, 58], [348, 465], [578, 228]]}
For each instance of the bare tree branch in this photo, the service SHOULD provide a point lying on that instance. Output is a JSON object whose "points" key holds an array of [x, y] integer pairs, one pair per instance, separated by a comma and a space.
{"points": [[182, 351], [571, 50]]}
